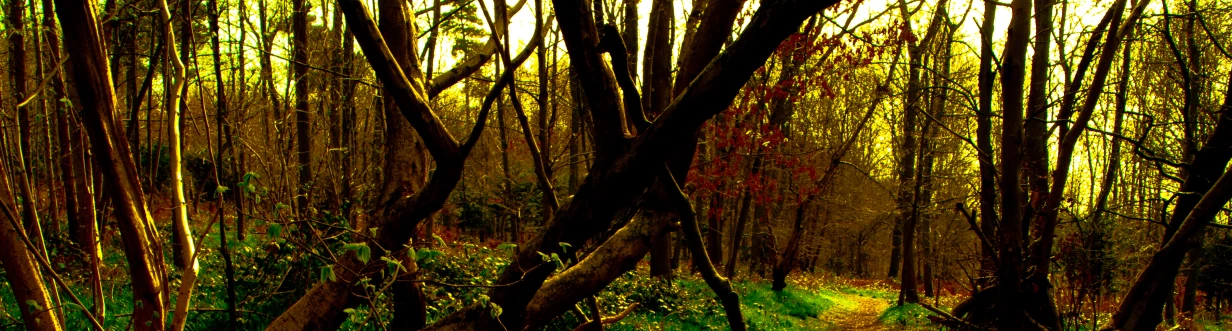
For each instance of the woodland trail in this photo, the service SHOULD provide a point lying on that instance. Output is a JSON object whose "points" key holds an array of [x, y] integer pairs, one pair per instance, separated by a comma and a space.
{"points": [[855, 312]]}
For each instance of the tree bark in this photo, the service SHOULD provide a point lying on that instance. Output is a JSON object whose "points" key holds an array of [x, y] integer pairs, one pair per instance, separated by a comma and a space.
{"points": [[81, 210], [1035, 135], [1009, 272], [179, 209], [142, 244], [656, 95], [406, 161]]}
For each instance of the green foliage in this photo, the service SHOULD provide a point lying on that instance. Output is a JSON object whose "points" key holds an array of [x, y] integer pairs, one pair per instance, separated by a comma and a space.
{"points": [[155, 161], [790, 309], [906, 315], [465, 264], [362, 252]]}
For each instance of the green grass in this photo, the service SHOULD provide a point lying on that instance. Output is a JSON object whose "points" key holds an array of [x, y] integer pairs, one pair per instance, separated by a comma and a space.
{"points": [[871, 293], [790, 309], [905, 315]]}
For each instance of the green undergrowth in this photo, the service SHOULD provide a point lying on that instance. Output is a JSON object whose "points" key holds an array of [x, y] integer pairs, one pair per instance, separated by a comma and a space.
{"points": [[271, 273], [910, 315], [689, 304]]}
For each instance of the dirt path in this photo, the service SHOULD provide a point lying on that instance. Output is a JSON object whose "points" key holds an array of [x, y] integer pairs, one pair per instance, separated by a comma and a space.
{"points": [[855, 312]]}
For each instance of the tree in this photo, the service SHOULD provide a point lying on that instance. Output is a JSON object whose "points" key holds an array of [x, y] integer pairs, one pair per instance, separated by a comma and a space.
{"points": [[142, 245]]}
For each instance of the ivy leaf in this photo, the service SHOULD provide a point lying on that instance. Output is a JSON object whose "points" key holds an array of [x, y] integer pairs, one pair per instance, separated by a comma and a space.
{"points": [[496, 310], [362, 252], [394, 265], [426, 255], [438, 240], [507, 246], [274, 231], [327, 274]]}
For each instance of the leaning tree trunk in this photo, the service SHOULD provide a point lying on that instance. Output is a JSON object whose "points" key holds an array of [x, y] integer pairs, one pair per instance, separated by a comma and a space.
{"points": [[624, 168], [22, 272], [324, 304], [1140, 308], [142, 245], [82, 216]]}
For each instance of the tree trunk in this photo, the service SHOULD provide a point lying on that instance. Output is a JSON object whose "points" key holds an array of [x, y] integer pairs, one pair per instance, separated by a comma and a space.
{"points": [[627, 171], [983, 138], [179, 210], [323, 306], [224, 157], [656, 95], [21, 270], [1035, 131], [907, 199], [142, 244], [1009, 272], [303, 129], [79, 196], [545, 123], [17, 82], [406, 162], [1194, 71], [737, 230]]}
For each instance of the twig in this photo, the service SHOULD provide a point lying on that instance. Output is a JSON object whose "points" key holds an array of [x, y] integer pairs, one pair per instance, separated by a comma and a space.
{"points": [[949, 317], [609, 320], [978, 233]]}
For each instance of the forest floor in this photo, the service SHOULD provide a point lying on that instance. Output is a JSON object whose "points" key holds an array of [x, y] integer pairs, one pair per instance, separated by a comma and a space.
{"points": [[856, 312]]}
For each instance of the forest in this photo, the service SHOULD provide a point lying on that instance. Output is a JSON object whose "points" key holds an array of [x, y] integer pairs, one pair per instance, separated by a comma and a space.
{"points": [[615, 164]]}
